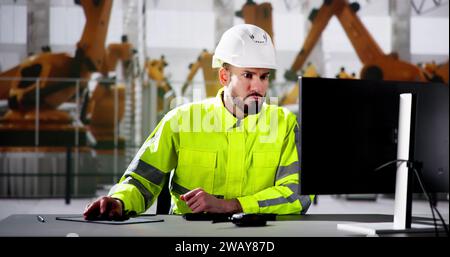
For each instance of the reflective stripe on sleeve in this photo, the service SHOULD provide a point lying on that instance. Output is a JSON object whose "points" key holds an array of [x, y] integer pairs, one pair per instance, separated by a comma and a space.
{"points": [[275, 201], [305, 200], [148, 196], [293, 188], [178, 189], [182, 190], [284, 171], [149, 172]]}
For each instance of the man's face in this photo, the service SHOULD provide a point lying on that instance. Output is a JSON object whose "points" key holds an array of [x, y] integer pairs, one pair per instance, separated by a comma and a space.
{"points": [[247, 88]]}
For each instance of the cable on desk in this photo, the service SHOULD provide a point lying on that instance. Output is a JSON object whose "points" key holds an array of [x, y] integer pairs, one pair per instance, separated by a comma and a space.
{"points": [[412, 165]]}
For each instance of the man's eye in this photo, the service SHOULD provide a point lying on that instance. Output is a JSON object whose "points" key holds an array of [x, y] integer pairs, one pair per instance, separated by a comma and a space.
{"points": [[265, 77], [248, 75]]}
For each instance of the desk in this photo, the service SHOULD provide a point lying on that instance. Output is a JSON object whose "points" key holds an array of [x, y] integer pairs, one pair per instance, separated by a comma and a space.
{"points": [[313, 225]]}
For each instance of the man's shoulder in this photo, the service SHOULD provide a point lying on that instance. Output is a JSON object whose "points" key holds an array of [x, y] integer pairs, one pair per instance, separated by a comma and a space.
{"points": [[206, 103]]}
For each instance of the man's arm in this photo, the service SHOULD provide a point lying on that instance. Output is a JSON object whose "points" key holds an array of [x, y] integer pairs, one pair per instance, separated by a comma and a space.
{"points": [[200, 201], [150, 169]]}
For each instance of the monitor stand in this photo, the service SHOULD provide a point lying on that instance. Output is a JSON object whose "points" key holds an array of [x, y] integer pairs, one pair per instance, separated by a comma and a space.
{"points": [[402, 217]]}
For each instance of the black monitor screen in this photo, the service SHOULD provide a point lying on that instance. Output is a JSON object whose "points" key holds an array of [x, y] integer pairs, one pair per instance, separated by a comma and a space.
{"points": [[349, 128]]}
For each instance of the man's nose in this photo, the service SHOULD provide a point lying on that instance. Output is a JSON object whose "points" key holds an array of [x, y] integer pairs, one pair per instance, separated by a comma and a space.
{"points": [[257, 84]]}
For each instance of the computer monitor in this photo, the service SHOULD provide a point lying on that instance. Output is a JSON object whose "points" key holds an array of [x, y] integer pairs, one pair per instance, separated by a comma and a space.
{"points": [[349, 128]]}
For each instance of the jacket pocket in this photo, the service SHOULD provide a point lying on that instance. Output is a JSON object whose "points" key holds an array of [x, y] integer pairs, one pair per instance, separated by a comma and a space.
{"points": [[267, 159], [196, 168], [263, 169]]}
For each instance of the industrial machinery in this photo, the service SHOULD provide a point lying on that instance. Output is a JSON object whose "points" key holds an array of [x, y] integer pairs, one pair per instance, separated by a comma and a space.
{"points": [[442, 71], [344, 75], [436, 72], [103, 110], [41, 144], [44, 81], [291, 97], [203, 62], [5, 82], [155, 71], [376, 64], [257, 14]]}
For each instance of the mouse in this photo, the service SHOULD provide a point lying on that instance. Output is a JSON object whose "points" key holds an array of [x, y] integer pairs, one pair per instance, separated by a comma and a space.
{"points": [[248, 220]]}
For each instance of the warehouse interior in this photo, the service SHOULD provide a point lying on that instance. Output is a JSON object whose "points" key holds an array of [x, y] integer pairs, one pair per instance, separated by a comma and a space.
{"points": [[81, 88]]}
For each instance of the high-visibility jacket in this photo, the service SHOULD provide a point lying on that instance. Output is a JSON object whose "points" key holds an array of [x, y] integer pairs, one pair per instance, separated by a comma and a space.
{"points": [[253, 160]]}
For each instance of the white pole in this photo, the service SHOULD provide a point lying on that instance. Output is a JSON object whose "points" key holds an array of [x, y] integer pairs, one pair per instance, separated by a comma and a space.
{"points": [[401, 181]]}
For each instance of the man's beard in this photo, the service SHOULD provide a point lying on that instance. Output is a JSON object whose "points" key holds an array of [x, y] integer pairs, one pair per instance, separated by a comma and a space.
{"points": [[253, 107]]}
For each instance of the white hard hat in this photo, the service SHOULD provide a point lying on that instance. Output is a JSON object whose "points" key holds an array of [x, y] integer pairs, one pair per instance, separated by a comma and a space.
{"points": [[245, 45]]}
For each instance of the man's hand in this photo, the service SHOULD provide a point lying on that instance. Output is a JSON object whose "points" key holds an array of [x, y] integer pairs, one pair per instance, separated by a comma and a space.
{"points": [[200, 201], [105, 208]]}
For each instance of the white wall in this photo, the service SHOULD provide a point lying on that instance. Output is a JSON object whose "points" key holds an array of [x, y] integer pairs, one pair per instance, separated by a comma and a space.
{"points": [[67, 23], [13, 22], [429, 35], [180, 29], [8, 60], [13, 34]]}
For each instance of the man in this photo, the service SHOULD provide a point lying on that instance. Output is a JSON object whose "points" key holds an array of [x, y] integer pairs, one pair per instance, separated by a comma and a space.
{"points": [[230, 154]]}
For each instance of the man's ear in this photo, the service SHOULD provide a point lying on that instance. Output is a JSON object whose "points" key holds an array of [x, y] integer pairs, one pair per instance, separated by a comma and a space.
{"points": [[224, 76]]}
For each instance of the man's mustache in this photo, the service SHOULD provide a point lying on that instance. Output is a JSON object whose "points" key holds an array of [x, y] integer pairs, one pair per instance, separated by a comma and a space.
{"points": [[253, 94]]}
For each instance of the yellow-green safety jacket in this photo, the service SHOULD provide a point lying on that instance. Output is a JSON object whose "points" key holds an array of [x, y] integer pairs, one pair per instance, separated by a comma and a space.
{"points": [[254, 160]]}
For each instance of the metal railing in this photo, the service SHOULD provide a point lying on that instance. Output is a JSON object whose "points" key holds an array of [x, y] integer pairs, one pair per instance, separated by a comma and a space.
{"points": [[14, 157]]}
